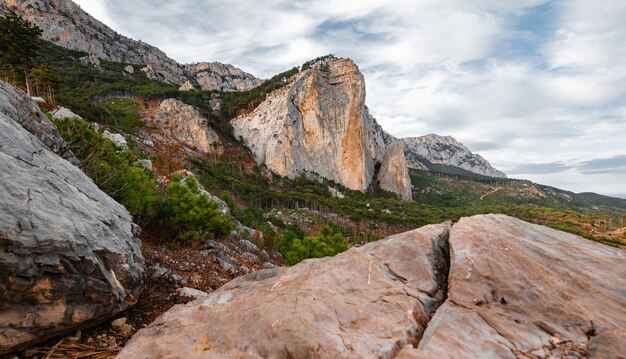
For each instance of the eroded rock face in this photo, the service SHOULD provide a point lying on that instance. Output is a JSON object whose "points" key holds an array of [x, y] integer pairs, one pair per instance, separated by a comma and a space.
{"points": [[184, 123], [67, 253], [218, 76], [445, 150], [394, 173], [66, 24], [367, 302], [318, 123], [520, 289]]}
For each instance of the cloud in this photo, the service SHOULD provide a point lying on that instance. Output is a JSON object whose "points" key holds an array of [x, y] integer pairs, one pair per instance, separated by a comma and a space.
{"points": [[535, 85], [540, 168], [613, 165]]}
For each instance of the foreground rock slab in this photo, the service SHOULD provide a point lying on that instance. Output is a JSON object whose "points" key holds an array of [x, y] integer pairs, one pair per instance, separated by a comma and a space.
{"points": [[519, 290], [367, 302], [68, 257]]}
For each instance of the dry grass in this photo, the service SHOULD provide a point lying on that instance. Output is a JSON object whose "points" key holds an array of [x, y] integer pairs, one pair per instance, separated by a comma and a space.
{"points": [[66, 349]]}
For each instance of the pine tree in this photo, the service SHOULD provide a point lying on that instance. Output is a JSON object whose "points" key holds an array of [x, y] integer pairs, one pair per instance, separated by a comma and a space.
{"points": [[19, 42]]}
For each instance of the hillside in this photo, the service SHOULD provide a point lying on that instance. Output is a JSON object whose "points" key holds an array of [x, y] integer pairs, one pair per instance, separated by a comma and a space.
{"points": [[127, 191]]}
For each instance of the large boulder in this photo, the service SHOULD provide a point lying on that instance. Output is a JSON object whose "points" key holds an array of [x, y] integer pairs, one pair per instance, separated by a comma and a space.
{"points": [[521, 290], [317, 123], [394, 173], [367, 302], [514, 290], [68, 257]]}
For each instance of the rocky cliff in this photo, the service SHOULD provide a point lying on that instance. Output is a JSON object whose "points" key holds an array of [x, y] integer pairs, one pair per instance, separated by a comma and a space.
{"points": [[424, 151], [394, 174], [318, 123], [489, 286], [218, 76], [68, 256], [66, 24]]}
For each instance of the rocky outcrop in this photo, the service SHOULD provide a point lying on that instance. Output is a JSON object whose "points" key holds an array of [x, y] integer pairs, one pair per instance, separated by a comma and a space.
{"points": [[367, 302], [68, 257], [393, 175], [491, 286], [318, 123], [523, 290], [218, 76], [184, 124], [17, 106], [66, 24], [424, 151]]}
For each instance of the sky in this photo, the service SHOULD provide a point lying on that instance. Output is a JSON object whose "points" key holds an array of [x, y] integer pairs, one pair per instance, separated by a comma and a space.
{"points": [[536, 87]]}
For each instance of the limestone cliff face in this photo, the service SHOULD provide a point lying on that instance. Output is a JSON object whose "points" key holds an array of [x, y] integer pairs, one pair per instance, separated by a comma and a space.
{"points": [[218, 76], [394, 173], [176, 121], [439, 150], [66, 24], [318, 123]]}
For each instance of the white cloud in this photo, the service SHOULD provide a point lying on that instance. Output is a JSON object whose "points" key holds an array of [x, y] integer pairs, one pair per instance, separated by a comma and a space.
{"points": [[529, 87]]}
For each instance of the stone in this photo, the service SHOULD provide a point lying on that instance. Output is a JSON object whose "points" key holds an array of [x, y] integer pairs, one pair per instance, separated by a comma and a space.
{"points": [[90, 60], [148, 143], [268, 265], [515, 287], [367, 302], [191, 293], [157, 272], [223, 206], [129, 69], [62, 113], [187, 86], [425, 151], [251, 257], [393, 175], [120, 326], [220, 77], [186, 125], [335, 193], [317, 123], [38, 99], [16, 105], [68, 257], [116, 138], [246, 245]]}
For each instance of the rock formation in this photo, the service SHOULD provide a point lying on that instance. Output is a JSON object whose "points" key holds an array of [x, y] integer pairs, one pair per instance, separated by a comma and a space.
{"points": [[369, 301], [183, 123], [424, 151], [66, 24], [68, 256], [393, 175], [318, 123], [491, 286], [218, 76]]}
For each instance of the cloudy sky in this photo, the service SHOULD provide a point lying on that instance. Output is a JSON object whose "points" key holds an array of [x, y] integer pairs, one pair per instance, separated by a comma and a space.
{"points": [[536, 87]]}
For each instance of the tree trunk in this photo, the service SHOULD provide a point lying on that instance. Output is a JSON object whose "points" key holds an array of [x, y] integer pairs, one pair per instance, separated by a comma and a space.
{"points": [[27, 77]]}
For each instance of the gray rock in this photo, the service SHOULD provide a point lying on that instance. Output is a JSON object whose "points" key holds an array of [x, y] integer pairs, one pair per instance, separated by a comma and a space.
{"points": [[251, 257], [217, 76], [440, 150], [116, 138], [129, 69], [121, 327], [16, 105], [38, 99], [63, 113], [148, 143], [67, 253], [191, 293], [268, 265], [157, 272], [246, 245]]}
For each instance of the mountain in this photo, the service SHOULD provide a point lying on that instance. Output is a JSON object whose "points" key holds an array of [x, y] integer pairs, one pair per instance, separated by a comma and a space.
{"points": [[66, 24], [425, 151], [318, 123]]}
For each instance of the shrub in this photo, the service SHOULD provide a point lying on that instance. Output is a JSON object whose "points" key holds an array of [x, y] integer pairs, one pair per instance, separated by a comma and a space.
{"points": [[326, 244]]}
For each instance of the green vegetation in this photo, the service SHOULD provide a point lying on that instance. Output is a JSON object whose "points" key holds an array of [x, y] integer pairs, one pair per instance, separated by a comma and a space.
{"points": [[18, 47], [326, 244], [177, 209]]}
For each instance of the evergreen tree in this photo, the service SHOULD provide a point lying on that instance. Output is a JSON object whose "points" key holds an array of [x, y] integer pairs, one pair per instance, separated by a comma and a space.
{"points": [[19, 41]]}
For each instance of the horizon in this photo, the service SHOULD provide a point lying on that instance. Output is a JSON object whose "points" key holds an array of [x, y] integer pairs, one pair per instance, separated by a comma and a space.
{"points": [[535, 87]]}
